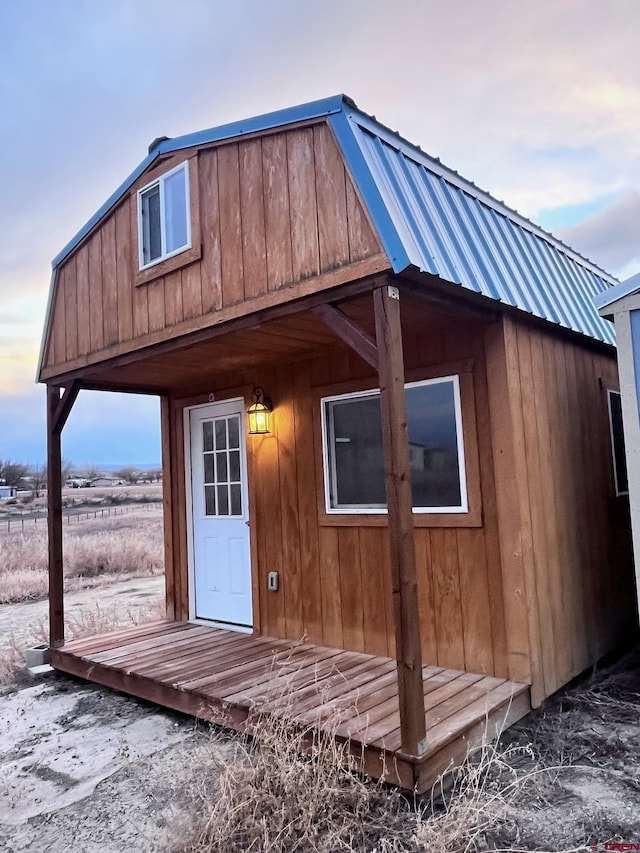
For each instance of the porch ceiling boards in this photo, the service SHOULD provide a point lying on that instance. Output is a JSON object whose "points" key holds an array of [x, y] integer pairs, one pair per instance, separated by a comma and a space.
{"points": [[221, 675], [293, 337], [282, 340]]}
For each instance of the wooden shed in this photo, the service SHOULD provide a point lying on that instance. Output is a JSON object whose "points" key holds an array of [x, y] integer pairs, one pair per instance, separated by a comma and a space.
{"points": [[426, 535], [621, 305]]}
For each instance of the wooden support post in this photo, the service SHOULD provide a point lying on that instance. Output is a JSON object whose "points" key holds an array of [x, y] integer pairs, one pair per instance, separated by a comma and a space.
{"points": [[58, 410], [398, 486], [170, 562], [54, 520]]}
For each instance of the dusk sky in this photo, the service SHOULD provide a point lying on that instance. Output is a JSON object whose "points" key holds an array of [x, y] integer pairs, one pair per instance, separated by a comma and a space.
{"points": [[537, 103]]}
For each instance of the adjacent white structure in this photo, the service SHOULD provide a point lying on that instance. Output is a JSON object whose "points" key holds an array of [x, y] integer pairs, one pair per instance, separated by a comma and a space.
{"points": [[621, 305]]}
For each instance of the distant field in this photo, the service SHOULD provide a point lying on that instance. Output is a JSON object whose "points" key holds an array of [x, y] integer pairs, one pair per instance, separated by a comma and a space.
{"points": [[26, 506], [134, 492], [96, 552]]}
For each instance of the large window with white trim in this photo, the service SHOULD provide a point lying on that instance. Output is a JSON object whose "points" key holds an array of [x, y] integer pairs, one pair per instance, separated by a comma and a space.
{"points": [[164, 227], [353, 458]]}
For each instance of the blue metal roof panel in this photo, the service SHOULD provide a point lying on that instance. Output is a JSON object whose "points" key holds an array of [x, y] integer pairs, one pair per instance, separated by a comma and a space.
{"points": [[392, 241], [450, 228]]}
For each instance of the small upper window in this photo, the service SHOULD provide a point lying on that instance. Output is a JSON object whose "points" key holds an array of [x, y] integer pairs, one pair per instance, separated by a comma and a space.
{"points": [[617, 443], [354, 466], [163, 217]]}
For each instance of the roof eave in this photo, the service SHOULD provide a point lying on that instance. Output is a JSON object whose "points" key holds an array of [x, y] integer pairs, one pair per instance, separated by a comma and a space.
{"points": [[607, 301], [44, 343]]}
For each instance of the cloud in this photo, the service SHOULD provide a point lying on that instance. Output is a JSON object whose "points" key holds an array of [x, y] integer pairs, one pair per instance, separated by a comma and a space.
{"points": [[611, 237], [536, 103]]}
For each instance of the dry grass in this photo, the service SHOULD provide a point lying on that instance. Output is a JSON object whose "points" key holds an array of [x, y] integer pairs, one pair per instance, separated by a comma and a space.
{"points": [[12, 655], [281, 788], [101, 620], [94, 553], [93, 619], [266, 795]]}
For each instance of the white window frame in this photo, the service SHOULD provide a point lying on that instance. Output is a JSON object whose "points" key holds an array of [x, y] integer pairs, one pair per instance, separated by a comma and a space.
{"points": [[159, 182], [619, 493], [328, 459]]}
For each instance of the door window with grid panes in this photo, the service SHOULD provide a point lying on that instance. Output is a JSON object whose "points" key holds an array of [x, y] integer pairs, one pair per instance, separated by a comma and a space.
{"points": [[221, 463]]}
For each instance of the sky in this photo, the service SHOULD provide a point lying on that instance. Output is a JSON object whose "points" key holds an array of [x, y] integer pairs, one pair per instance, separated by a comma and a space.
{"points": [[537, 103]]}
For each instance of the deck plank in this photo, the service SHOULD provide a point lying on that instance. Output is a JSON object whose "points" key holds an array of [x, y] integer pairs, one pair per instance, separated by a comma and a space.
{"points": [[349, 685], [383, 714], [444, 731], [387, 730], [329, 666], [120, 636], [200, 673], [199, 659], [237, 676], [156, 643], [484, 694], [304, 678], [277, 678]]}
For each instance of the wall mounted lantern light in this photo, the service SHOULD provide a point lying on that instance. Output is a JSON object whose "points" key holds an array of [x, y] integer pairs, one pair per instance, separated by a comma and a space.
{"points": [[259, 413]]}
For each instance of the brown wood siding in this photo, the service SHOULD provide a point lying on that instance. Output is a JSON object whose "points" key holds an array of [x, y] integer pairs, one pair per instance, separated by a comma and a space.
{"points": [[270, 212], [542, 586], [579, 538], [335, 580]]}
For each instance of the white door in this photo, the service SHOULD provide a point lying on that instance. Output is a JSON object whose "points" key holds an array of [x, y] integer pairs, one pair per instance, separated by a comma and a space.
{"points": [[220, 514]]}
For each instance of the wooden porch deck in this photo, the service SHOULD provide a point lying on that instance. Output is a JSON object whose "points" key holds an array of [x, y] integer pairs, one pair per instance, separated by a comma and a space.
{"points": [[222, 675]]}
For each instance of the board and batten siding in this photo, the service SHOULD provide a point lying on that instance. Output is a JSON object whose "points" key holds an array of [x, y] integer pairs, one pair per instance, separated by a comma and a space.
{"points": [[537, 586], [334, 572], [267, 212], [570, 552]]}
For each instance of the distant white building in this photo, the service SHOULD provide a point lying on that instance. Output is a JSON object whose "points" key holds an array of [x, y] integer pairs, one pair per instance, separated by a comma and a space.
{"points": [[7, 492], [105, 481], [76, 483]]}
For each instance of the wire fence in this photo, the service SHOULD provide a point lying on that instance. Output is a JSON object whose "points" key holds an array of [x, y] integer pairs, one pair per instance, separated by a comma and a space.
{"points": [[15, 525]]}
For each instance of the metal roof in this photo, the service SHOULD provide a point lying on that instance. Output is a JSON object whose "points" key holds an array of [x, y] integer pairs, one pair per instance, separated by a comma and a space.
{"points": [[616, 293], [430, 218]]}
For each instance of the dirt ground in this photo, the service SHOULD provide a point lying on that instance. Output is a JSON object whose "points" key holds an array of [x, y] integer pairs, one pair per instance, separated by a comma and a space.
{"points": [[85, 769], [584, 791], [29, 618]]}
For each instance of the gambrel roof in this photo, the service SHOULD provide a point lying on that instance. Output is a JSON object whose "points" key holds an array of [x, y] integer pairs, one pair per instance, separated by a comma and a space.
{"points": [[430, 219]]}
